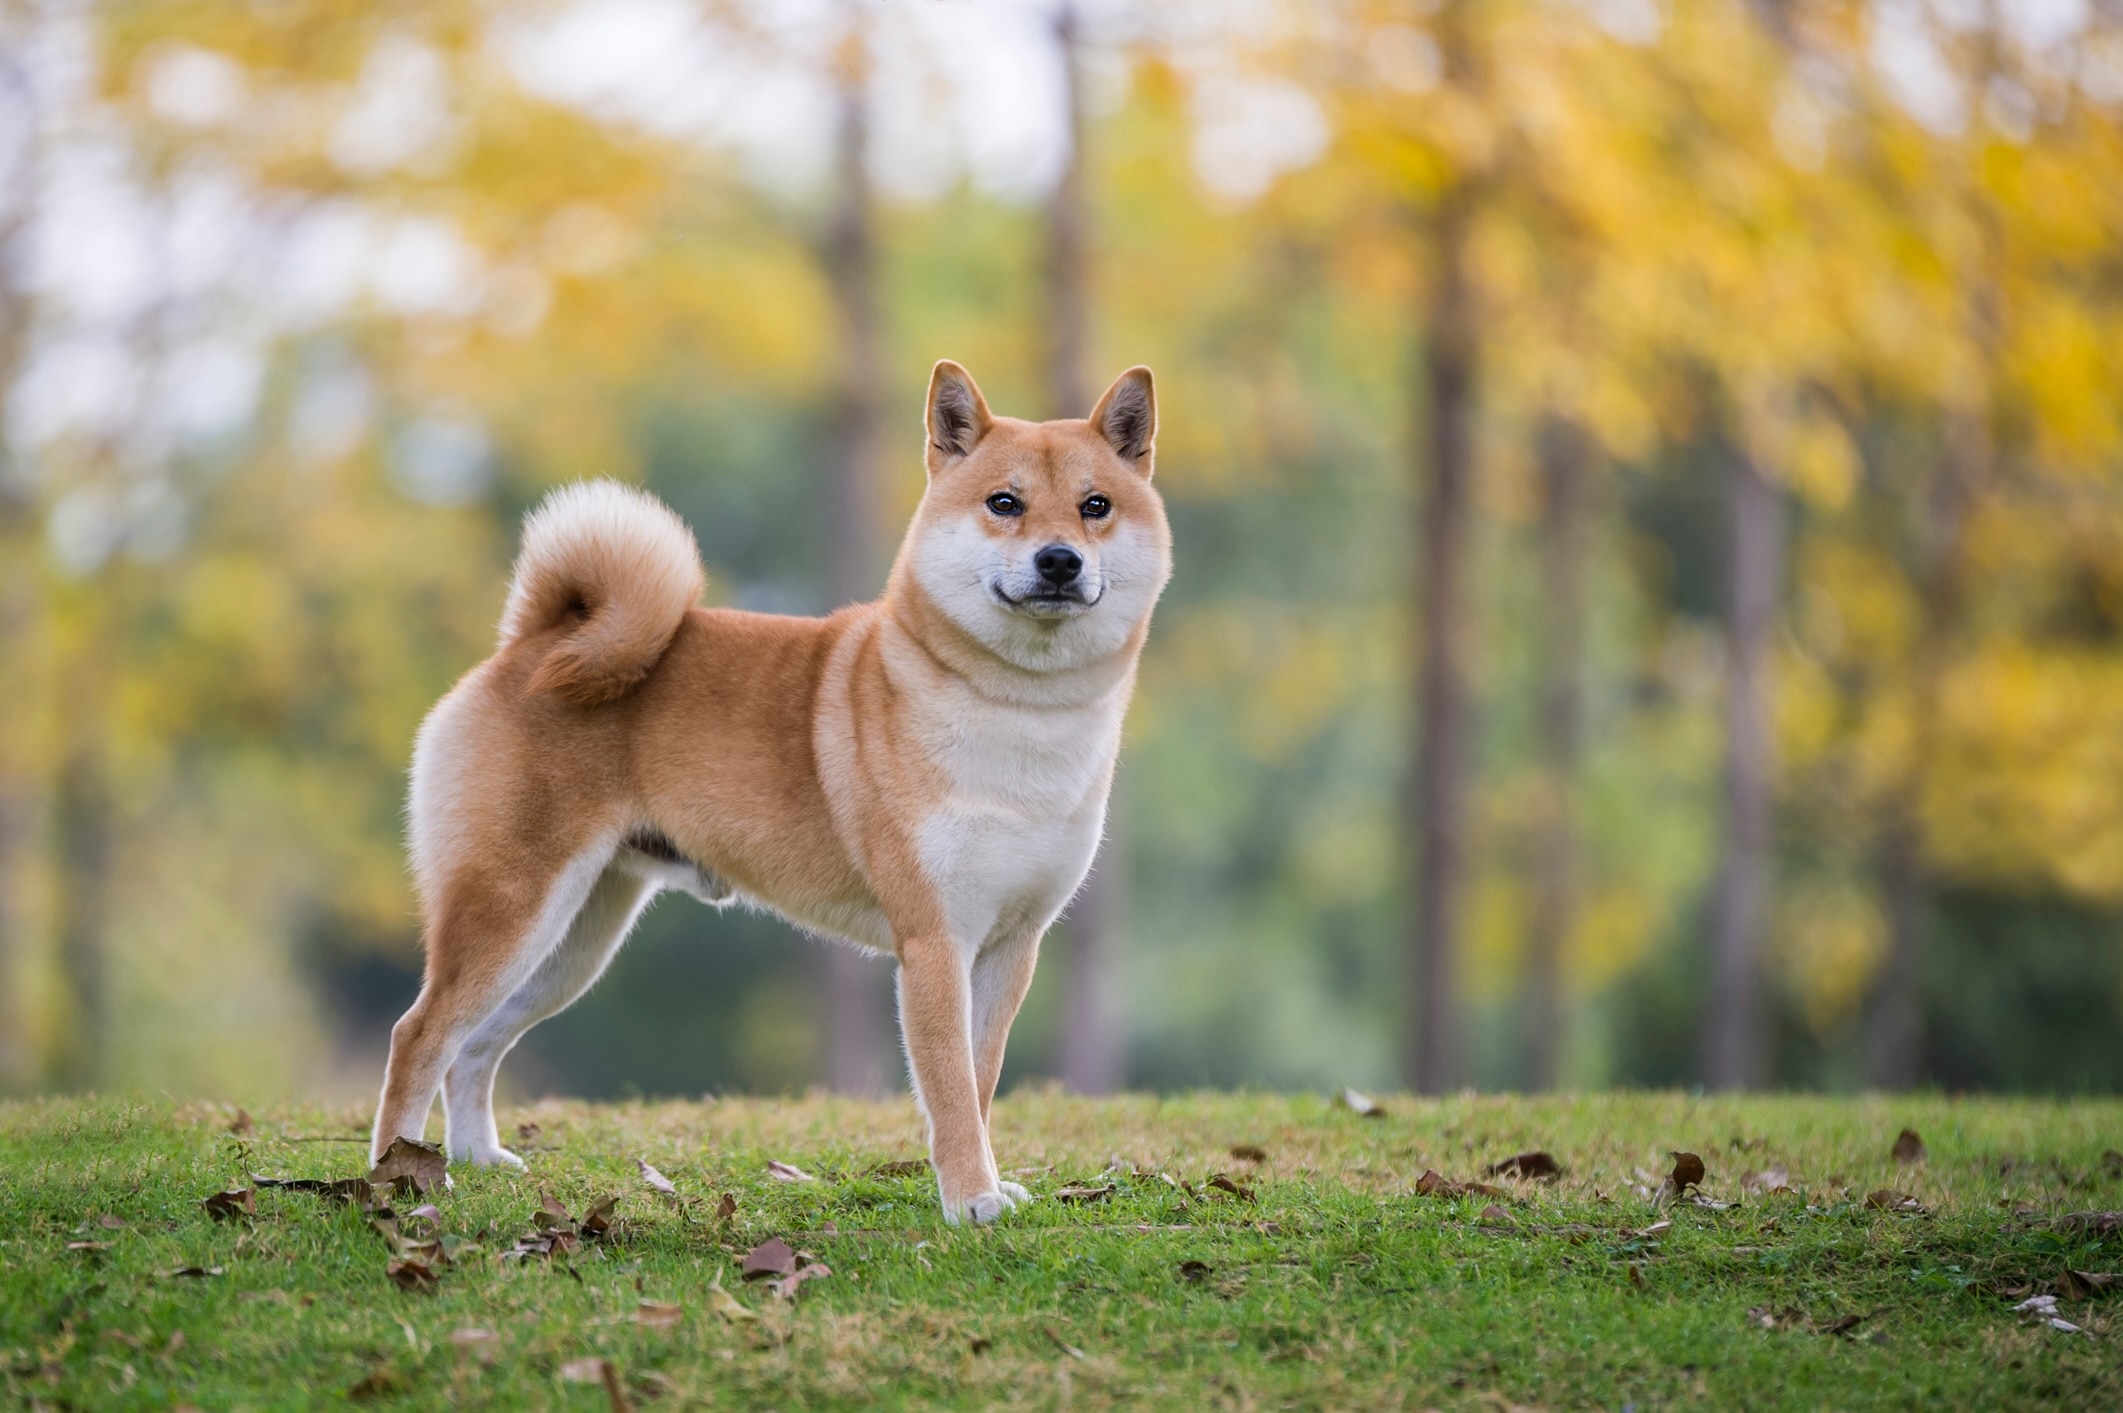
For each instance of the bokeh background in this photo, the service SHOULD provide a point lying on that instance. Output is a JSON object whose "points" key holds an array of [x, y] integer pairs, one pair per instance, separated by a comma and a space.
{"points": [[1648, 482]]}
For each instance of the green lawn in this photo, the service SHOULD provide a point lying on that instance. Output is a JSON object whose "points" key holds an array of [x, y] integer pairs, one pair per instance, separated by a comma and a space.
{"points": [[1325, 1281]]}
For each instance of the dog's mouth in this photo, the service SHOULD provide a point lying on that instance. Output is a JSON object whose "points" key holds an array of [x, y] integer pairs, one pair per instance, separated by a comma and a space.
{"points": [[1047, 601]]}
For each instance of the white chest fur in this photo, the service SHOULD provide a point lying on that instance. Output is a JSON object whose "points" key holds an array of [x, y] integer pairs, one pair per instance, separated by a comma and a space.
{"points": [[1024, 805]]}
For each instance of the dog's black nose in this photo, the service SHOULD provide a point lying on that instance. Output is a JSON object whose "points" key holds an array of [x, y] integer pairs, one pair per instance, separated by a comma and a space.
{"points": [[1058, 565]]}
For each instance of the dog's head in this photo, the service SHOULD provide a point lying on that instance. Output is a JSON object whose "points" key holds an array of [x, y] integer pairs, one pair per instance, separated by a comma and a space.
{"points": [[1044, 541]]}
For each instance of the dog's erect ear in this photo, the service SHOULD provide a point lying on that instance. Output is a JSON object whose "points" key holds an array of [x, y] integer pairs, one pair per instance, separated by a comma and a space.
{"points": [[1127, 417], [958, 415]]}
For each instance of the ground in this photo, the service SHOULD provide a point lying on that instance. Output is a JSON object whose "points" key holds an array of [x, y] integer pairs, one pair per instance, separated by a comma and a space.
{"points": [[1325, 1279]]}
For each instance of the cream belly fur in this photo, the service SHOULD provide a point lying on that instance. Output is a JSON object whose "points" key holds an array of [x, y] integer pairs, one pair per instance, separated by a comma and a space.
{"points": [[926, 775]]}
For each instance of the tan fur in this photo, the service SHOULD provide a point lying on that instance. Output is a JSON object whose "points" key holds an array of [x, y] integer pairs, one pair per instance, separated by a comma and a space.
{"points": [[925, 775]]}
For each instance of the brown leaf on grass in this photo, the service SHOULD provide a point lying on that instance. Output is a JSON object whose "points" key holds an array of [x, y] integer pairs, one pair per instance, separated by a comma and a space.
{"points": [[1769, 1180], [408, 1166], [785, 1287], [1636, 1276], [1538, 1165], [1886, 1199], [111, 1223], [550, 1211], [1436, 1184], [1059, 1343], [1077, 1196], [728, 1306], [1194, 1270], [88, 1247], [597, 1221], [2112, 1164], [900, 1168], [426, 1212], [1362, 1105], [788, 1172], [2093, 1223], [1249, 1152], [241, 1125], [236, 1202], [727, 1208], [1687, 1171], [2085, 1285], [1908, 1147], [655, 1179], [1656, 1229], [415, 1276], [527, 1132], [193, 1273], [355, 1190], [476, 1344], [772, 1257], [1841, 1324], [380, 1384], [1224, 1184], [656, 1315], [1494, 1213]]}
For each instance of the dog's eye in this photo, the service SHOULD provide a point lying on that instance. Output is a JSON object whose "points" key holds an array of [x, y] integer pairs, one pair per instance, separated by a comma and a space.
{"points": [[1096, 508], [1003, 503]]}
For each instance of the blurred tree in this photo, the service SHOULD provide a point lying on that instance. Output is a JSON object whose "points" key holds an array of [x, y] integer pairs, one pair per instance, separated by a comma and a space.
{"points": [[855, 983]]}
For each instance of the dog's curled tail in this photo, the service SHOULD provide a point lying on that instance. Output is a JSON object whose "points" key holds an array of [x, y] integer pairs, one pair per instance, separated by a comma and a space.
{"points": [[619, 566]]}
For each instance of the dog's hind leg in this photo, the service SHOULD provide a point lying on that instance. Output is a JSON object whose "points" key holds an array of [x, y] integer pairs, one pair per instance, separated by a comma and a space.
{"points": [[570, 969], [485, 941]]}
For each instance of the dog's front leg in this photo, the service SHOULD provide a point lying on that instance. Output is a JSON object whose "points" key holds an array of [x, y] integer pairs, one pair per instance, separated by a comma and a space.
{"points": [[1001, 976], [935, 1003]]}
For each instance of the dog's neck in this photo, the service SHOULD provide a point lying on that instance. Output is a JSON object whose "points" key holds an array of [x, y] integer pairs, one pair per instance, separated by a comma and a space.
{"points": [[908, 612]]}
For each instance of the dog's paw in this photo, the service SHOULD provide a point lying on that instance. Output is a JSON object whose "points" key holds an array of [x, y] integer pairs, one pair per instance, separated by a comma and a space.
{"points": [[495, 1157], [982, 1208], [1015, 1192]]}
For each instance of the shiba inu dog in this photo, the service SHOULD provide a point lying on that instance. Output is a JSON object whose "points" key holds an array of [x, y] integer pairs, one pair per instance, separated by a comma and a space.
{"points": [[925, 775]]}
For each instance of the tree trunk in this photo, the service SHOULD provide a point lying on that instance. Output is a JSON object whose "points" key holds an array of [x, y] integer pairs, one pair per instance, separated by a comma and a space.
{"points": [[1566, 466], [1735, 1053], [856, 987], [1093, 1043], [1437, 803], [1894, 1049]]}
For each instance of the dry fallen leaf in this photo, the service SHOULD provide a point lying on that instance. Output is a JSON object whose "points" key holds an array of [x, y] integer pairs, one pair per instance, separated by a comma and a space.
{"points": [[1494, 1213], [597, 1221], [1224, 1184], [1249, 1152], [377, 1385], [1776, 1179], [415, 1276], [727, 1208], [88, 1246], [478, 1344], [656, 1179], [1362, 1104], [1076, 1196], [355, 1190], [1655, 1229], [1888, 1200], [426, 1212], [110, 1223], [785, 1288], [2112, 1163], [1538, 1165], [788, 1172], [1194, 1270], [656, 1315], [408, 1166], [2085, 1285], [241, 1124], [1687, 1172], [1435, 1184], [194, 1272], [728, 1306], [1059, 1343], [772, 1257], [236, 1202], [583, 1371], [1908, 1147]]}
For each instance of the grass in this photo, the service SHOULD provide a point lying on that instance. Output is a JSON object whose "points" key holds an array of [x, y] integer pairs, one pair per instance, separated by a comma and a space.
{"points": [[1333, 1286]]}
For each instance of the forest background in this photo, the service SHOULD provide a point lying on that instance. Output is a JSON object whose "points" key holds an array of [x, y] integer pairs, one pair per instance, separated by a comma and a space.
{"points": [[1648, 484]]}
